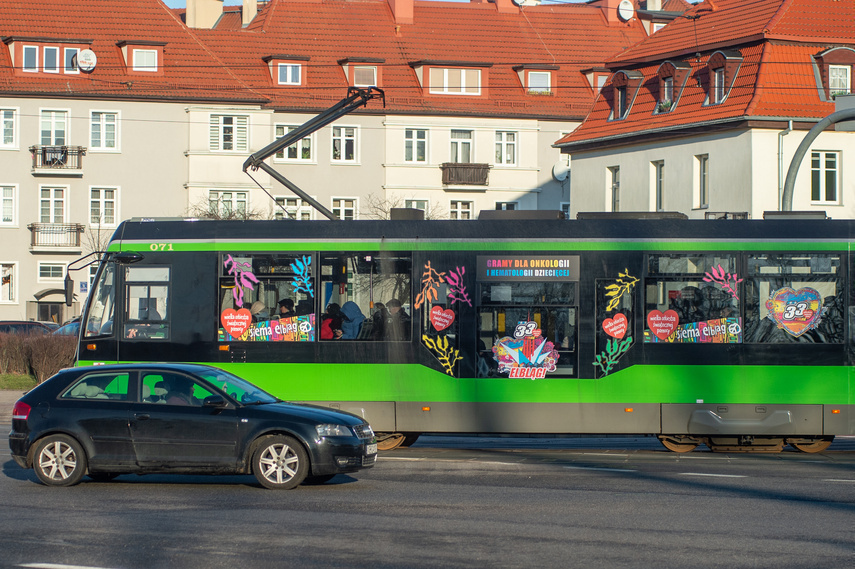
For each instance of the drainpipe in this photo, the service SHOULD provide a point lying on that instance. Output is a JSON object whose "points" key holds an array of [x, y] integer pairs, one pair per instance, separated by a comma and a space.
{"points": [[781, 136]]}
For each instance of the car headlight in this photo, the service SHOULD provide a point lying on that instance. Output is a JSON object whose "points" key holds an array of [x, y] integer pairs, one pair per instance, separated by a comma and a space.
{"points": [[329, 430]]}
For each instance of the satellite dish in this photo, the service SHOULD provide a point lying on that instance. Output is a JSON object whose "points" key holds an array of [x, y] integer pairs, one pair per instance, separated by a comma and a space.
{"points": [[86, 60], [518, 2], [560, 171], [625, 10]]}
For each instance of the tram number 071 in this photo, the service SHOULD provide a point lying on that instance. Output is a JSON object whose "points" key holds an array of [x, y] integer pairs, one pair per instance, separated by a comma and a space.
{"points": [[160, 246]]}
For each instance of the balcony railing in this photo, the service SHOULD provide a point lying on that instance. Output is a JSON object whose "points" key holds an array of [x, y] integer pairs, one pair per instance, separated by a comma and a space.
{"points": [[55, 234], [58, 157], [454, 173]]}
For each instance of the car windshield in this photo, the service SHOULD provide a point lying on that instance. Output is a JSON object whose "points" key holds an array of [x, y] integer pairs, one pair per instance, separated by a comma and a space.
{"points": [[238, 388]]}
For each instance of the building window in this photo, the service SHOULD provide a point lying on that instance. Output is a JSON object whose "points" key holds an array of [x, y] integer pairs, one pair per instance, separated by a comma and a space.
{"points": [[461, 146], [227, 205], [7, 205], [717, 85], [445, 81], [51, 272], [703, 162], [415, 145], [461, 210], [344, 144], [506, 148], [539, 82], [229, 133], [103, 129], [299, 151], [53, 128], [102, 206], [417, 204], [620, 102], [839, 79], [659, 180], [824, 176], [292, 208], [364, 76], [70, 60], [614, 175], [290, 73], [666, 95], [507, 206], [565, 209], [31, 59], [51, 60], [8, 282], [7, 128], [145, 60], [344, 208], [52, 205]]}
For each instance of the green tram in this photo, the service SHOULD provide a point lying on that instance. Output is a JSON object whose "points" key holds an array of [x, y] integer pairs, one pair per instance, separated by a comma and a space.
{"points": [[730, 333]]}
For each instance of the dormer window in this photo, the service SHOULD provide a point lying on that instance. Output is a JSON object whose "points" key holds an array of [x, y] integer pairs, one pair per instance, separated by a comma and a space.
{"points": [[45, 55], [70, 60], [452, 78], [145, 60], [536, 79], [51, 60], [365, 75], [625, 85], [666, 94], [839, 79], [361, 71], [287, 70], [672, 79], [833, 71], [290, 73], [143, 57], [723, 67], [31, 58]]}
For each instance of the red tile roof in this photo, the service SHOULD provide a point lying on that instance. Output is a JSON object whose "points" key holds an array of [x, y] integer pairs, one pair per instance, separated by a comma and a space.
{"points": [[777, 40], [573, 37], [190, 70]]}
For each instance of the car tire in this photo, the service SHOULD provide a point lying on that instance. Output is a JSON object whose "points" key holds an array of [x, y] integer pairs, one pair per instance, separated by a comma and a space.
{"points": [[280, 462], [59, 460]]}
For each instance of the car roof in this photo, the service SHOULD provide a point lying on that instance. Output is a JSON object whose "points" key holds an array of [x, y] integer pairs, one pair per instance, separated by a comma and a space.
{"points": [[166, 366]]}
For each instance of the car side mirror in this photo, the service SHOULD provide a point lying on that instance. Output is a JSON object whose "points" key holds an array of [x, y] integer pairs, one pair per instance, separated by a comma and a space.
{"points": [[214, 401]]}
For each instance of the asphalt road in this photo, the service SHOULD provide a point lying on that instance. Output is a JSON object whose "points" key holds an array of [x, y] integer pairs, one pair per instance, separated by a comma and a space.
{"points": [[457, 502]]}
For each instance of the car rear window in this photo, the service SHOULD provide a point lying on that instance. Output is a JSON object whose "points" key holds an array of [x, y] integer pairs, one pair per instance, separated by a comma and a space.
{"points": [[99, 386]]}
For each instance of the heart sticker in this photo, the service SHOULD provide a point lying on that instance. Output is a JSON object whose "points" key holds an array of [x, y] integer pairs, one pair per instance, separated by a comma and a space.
{"points": [[441, 318], [662, 323], [796, 311], [236, 322], [615, 327]]}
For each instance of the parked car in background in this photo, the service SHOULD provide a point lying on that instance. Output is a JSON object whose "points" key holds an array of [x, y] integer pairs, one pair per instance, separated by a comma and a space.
{"points": [[70, 329], [23, 327], [103, 421], [53, 326]]}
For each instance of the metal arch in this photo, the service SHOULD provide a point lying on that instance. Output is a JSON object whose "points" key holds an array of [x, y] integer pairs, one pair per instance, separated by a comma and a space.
{"points": [[789, 184]]}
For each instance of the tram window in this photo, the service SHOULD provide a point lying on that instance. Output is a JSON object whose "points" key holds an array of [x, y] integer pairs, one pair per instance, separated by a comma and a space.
{"points": [[267, 298], [147, 302], [614, 317], [692, 299], [100, 318], [794, 298], [366, 296]]}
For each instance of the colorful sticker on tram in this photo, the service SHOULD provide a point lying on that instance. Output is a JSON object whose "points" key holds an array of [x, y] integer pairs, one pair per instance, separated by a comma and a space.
{"points": [[622, 286], [728, 282], [527, 355], [441, 318], [242, 273], [615, 327], [715, 331], [447, 354], [294, 329], [796, 311], [662, 324]]}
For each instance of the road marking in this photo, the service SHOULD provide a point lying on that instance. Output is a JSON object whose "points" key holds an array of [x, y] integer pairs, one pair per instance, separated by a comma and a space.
{"points": [[600, 469], [713, 475], [57, 566], [838, 480], [603, 454]]}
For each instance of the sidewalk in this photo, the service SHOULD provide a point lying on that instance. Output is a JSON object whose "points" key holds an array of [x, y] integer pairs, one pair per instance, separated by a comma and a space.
{"points": [[7, 401]]}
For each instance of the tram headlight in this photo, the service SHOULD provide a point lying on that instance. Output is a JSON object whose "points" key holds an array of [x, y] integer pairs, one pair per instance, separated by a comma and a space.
{"points": [[330, 430]]}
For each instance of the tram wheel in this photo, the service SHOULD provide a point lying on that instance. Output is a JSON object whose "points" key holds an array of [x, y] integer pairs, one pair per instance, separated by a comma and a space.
{"points": [[679, 443], [409, 440], [811, 445], [389, 441]]}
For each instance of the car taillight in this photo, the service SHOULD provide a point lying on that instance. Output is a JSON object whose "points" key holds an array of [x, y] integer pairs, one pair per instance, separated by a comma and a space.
{"points": [[21, 411]]}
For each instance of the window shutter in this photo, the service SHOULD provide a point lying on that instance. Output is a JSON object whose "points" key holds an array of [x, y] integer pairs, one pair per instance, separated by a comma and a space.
{"points": [[241, 133], [215, 133]]}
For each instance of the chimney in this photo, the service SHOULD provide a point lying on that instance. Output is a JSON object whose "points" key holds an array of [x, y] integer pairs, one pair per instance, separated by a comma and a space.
{"points": [[609, 8], [203, 13], [249, 11], [654, 5], [506, 7], [402, 11]]}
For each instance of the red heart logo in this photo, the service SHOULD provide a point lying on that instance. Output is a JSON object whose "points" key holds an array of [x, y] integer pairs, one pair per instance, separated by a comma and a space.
{"points": [[236, 322], [615, 327], [441, 318], [662, 323]]}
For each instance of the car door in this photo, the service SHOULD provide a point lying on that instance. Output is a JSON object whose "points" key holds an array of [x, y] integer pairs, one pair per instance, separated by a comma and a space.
{"points": [[170, 433]]}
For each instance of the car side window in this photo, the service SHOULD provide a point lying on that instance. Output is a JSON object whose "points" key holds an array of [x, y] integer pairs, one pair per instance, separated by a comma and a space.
{"points": [[172, 389], [109, 386]]}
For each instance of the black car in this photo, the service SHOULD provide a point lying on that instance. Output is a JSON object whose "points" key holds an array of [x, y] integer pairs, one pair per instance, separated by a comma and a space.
{"points": [[23, 327], [103, 421]]}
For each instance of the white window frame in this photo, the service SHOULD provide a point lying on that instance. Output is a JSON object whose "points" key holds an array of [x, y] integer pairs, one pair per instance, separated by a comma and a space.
{"points": [[218, 129], [658, 185], [844, 73], [412, 142], [423, 205], [63, 268], [52, 116], [508, 206], [456, 211], [457, 145], [55, 51], [717, 91], [621, 102], [144, 66], [822, 156], [9, 124], [667, 95], [702, 180], [296, 209], [342, 137], [9, 198], [235, 198], [461, 72], [288, 69], [281, 130], [541, 89], [565, 209], [34, 50], [102, 202], [70, 61], [338, 206], [502, 145], [10, 290], [372, 68], [614, 189], [103, 123], [53, 200]]}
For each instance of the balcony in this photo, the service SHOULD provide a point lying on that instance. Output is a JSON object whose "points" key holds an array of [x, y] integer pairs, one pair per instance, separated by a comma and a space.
{"points": [[463, 174], [58, 160], [55, 236]]}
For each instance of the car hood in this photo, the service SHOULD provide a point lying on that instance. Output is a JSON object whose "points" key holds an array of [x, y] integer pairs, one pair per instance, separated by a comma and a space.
{"points": [[309, 412]]}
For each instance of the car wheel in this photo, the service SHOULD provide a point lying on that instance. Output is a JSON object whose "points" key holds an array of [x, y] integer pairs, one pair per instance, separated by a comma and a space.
{"points": [[316, 480], [280, 463], [59, 461]]}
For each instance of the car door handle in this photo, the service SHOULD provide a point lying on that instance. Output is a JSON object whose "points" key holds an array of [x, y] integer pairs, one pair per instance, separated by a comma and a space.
{"points": [[142, 416]]}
